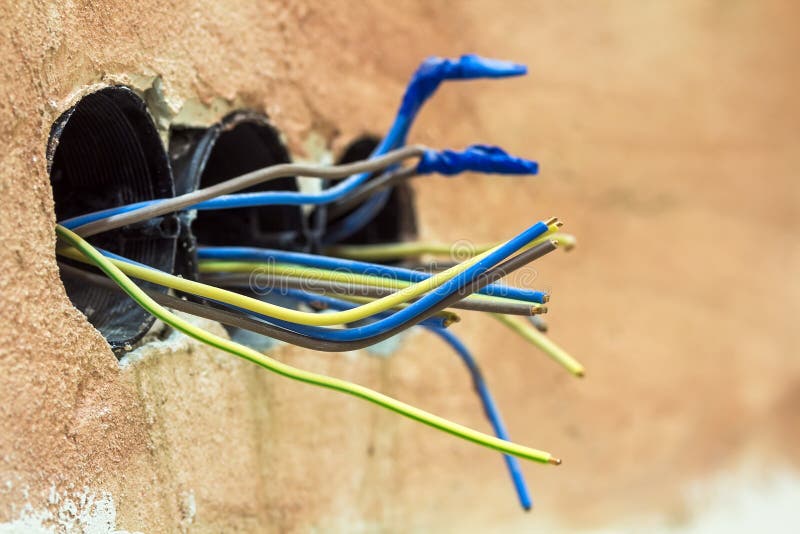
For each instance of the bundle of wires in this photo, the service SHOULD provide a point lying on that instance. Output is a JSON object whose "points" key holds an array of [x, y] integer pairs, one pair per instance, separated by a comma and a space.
{"points": [[341, 301]]}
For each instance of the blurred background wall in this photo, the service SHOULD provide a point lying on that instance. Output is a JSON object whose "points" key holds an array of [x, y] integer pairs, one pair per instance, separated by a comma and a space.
{"points": [[667, 134]]}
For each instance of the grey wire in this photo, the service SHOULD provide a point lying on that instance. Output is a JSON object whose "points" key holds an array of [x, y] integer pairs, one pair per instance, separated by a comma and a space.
{"points": [[260, 327], [539, 323], [276, 282], [435, 266], [244, 181], [387, 179]]}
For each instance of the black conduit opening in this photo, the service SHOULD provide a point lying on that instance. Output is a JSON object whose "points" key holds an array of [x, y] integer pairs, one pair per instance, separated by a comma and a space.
{"points": [[106, 152], [241, 142], [397, 221]]}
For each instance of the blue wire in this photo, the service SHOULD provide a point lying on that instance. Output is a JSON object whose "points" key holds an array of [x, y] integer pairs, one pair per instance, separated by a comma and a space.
{"points": [[330, 302], [423, 84], [438, 328], [475, 157], [490, 408], [338, 304], [357, 219], [430, 299], [350, 266]]}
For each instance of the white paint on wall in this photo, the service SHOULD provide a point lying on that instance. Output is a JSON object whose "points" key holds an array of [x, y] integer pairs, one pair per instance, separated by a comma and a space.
{"points": [[84, 511]]}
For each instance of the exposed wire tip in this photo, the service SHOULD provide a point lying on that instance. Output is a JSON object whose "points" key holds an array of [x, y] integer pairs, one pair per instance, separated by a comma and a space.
{"points": [[580, 373], [551, 221], [546, 298], [559, 224], [554, 461], [538, 310]]}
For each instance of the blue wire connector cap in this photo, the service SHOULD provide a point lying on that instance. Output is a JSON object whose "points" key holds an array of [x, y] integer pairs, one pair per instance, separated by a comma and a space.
{"points": [[434, 70], [479, 158]]}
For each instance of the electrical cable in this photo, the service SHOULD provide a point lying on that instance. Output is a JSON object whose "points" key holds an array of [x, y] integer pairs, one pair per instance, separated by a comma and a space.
{"points": [[343, 265], [544, 343], [481, 158], [457, 276], [450, 293], [489, 408], [473, 157], [225, 317], [398, 251], [311, 274], [267, 282], [136, 293], [371, 337], [320, 302], [109, 219], [386, 180], [423, 84], [354, 221]]}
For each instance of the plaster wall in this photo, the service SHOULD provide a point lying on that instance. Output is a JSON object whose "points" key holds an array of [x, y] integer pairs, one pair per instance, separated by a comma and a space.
{"points": [[667, 134]]}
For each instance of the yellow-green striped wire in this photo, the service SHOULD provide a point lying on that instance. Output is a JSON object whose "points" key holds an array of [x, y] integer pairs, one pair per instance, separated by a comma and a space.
{"points": [[532, 335], [136, 293], [394, 251]]}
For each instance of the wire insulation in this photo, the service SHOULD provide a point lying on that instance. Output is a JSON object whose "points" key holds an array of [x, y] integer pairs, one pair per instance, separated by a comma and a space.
{"points": [[341, 265], [545, 344], [263, 283], [216, 196], [365, 337], [458, 276], [399, 251], [490, 409], [288, 371]]}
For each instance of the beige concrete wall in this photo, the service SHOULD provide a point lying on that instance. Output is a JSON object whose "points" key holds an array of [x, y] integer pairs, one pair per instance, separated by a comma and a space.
{"points": [[668, 138]]}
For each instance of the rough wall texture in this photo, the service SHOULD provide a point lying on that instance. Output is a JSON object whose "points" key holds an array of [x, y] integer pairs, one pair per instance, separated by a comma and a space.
{"points": [[668, 139]]}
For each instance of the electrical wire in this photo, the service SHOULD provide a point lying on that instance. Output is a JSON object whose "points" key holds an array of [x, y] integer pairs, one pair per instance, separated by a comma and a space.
{"points": [[354, 221], [218, 196], [325, 302], [544, 343], [230, 318], [260, 273], [370, 337], [538, 323], [490, 409], [136, 293], [449, 293], [268, 282], [342, 265], [398, 251], [455, 276], [423, 84], [480, 158], [386, 180]]}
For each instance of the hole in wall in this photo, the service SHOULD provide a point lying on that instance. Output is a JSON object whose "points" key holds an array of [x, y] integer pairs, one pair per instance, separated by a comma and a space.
{"points": [[242, 142], [397, 220], [106, 152]]}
